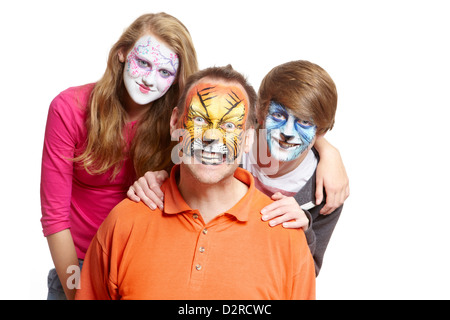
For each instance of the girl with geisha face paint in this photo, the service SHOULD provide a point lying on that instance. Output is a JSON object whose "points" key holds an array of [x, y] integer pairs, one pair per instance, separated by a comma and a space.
{"points": [[100, 136], [150, 69]]}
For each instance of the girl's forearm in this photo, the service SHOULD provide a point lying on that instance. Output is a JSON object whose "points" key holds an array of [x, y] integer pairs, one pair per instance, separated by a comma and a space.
{"points": [[64, 255]]}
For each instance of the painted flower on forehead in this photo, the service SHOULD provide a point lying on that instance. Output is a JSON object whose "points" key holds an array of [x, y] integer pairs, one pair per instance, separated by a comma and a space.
{"points": [[287, 135], [214, 123], [150, 69]]}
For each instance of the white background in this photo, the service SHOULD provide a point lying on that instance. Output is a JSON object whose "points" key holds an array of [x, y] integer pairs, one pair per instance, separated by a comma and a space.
{"points": [[390, 62]]}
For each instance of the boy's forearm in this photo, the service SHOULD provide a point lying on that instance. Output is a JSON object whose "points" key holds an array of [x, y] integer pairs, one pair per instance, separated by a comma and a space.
{"points": [[322, 145]]}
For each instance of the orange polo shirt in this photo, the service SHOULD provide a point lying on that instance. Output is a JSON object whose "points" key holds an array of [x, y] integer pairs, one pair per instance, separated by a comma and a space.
{"points": [[138, 253]]}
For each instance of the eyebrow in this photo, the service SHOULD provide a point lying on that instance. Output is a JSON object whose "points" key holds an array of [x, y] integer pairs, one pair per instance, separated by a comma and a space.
{"points": [[197, 113], [233, 96], [138, 56]]}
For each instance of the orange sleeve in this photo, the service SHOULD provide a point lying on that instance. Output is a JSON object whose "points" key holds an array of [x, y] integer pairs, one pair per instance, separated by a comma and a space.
{"points": [[95, 283], [304, 282], [100, 267]]}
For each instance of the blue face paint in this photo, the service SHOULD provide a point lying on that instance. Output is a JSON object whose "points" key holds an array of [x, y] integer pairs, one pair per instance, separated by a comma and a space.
{"points": [[287, 135]]}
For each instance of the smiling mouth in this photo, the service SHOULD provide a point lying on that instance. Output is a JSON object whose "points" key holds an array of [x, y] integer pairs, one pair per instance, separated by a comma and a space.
{"points": [[286, 145], [144, 89], [209, 154], [210, 158]]}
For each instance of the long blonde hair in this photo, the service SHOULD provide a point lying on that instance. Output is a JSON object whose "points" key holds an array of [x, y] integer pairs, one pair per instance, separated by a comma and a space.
{"points": [[150, 150]]}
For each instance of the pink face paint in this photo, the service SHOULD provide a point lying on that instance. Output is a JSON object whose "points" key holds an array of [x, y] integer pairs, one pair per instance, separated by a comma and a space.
{"points": [[151, 68]]}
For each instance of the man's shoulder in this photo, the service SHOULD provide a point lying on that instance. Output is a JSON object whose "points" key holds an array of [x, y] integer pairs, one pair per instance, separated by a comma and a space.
{"points": [[126, 215], [261, 199], [130, 210]]}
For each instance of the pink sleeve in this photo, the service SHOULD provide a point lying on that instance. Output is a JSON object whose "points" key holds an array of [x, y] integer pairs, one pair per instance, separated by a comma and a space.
{"points": [[57, 168]]}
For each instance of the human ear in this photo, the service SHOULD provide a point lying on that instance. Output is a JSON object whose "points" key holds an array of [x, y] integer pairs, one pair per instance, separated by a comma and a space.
{"points": [[174, 120], [121, 55]]}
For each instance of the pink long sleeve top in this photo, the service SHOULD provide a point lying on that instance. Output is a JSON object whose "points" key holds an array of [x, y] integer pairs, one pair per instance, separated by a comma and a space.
{"points": [[71, 198]]}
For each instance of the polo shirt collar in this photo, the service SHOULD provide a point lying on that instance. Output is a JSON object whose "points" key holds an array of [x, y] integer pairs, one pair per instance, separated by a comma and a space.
{"points": [[174, 202]]}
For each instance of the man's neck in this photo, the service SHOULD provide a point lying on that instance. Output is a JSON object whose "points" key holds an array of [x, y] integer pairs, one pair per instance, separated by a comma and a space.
{"points": [[211, 199]]}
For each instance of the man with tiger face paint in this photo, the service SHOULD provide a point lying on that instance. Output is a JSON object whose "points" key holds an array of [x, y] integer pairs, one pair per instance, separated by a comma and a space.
{"points": [[211, 126], [214, 121]]}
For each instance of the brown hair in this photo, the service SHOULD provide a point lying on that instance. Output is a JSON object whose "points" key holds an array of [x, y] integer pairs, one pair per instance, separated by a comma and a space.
{"points": [[227, 74], [151, 146], [303, 87]]}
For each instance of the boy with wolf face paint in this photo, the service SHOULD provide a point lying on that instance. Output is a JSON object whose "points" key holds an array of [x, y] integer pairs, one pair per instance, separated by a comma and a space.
{"points": [[287, 135], [297, 106]]}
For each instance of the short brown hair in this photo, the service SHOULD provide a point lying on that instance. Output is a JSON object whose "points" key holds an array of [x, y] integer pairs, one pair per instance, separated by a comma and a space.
{"points": [[303, 87], [227, 74]]}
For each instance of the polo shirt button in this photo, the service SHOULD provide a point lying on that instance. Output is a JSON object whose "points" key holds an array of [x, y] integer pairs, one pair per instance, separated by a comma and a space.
{"points": [[205, 231], [195, 216], [198, 267], [202, 249]]}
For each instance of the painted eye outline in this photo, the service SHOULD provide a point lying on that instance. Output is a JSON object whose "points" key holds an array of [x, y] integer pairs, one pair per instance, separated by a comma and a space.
{"points": [[143, 64], [278, 116], [229, 129], [165, 74], [199, 121], [305, 124]]}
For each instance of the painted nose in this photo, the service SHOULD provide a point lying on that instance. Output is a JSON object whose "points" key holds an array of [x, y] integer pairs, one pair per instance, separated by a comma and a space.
{"points": [[286, 137], [150, 79], [212, 136]]}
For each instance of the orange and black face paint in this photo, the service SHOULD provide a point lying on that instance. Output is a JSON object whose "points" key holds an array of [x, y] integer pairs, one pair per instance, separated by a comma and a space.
{"points": [[214, 122]]}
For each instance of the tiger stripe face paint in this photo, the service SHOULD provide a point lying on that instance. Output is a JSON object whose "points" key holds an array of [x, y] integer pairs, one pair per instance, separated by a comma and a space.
{"points": [[214, 123]]}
